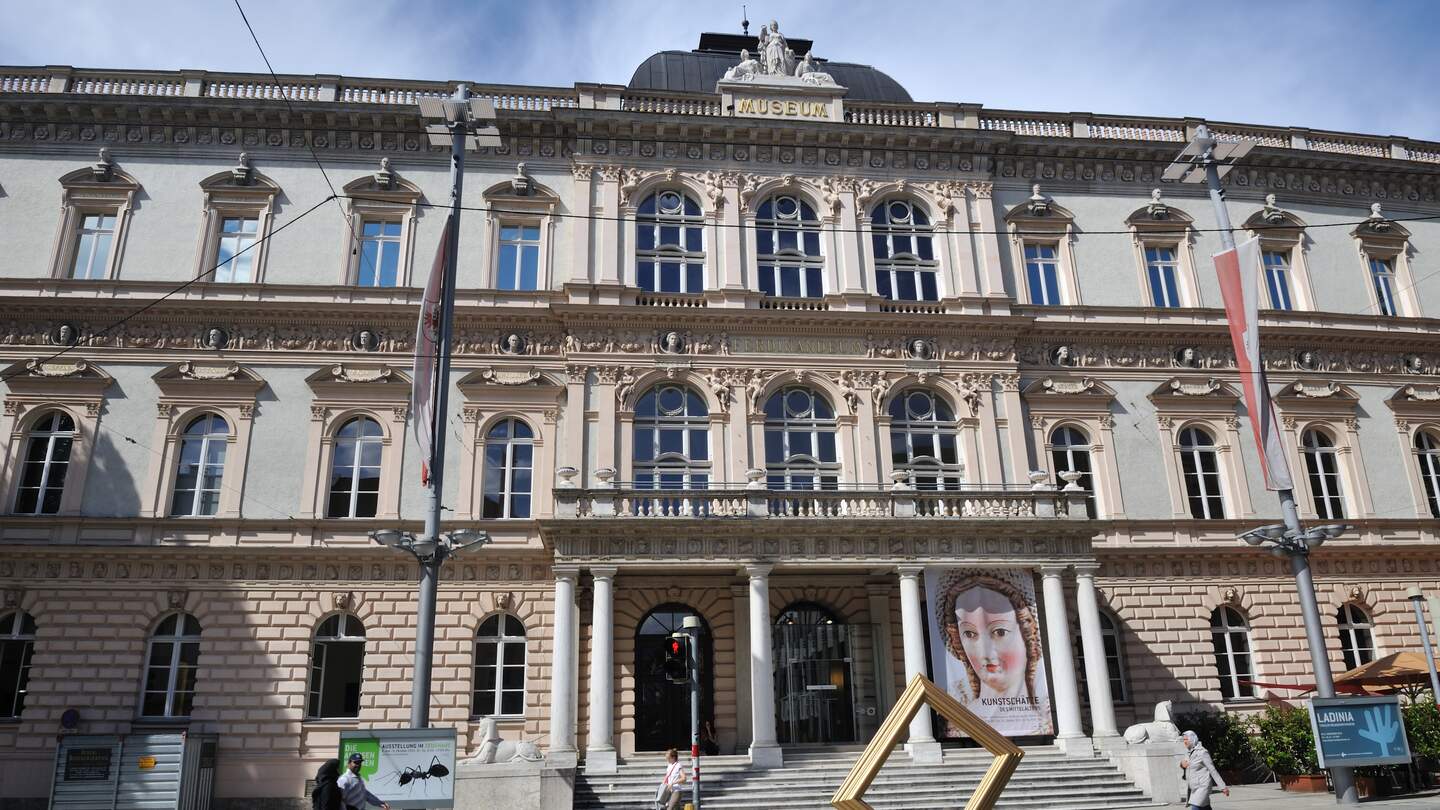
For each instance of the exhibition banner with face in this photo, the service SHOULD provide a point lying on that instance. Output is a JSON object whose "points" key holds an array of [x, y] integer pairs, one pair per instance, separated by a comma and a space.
{"points": [[986, 648]]}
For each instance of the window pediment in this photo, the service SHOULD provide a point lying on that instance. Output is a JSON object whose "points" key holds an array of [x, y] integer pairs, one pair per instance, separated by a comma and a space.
{"points": [[384, 185], [1086, 388], [213, 380], [1179, 393], [61, 377], [504, 387], [522, 193], [345, 382], [1317, 397], [1040, 213], [1416, 401]]}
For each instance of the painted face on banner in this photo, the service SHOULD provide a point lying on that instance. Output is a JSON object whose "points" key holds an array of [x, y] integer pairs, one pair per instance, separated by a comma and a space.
{"points": [[990, 634]]}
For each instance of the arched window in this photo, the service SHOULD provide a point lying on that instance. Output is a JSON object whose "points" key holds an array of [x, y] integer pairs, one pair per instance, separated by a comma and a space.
{"points": [[1070, 452], [47, 460], [1357, 640], [509, 461], [923, 440], [1323, 468], [800, 450], [905, 268], [669, 244], [1427, 456], [672, 439], [337, 668], [17, 644], [1200, 465], [787, 248], [499, 667], [171, 660], [355, 469], [1230, 635], [202, 466]]}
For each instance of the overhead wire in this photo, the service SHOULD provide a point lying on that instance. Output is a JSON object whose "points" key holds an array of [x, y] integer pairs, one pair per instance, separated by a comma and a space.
{"points": [[355, 244]]}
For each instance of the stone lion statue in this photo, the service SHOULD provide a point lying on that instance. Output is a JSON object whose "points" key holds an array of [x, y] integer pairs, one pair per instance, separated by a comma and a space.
{"points": [[495, 749], [1161, 729]]}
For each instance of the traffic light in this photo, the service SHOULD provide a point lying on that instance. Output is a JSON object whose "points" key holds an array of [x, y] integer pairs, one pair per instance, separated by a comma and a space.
{"points": [[677, 658]]}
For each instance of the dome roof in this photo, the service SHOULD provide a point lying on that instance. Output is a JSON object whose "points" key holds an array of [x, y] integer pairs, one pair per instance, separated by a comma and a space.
{"points": [[697, 71]]}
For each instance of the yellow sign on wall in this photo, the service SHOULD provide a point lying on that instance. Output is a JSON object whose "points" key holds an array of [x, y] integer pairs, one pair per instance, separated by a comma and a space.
{"points": [[783, 108], [146, 763]]}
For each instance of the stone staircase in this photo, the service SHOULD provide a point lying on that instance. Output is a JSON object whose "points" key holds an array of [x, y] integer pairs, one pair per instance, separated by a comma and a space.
{"points": [[1045, 779]]}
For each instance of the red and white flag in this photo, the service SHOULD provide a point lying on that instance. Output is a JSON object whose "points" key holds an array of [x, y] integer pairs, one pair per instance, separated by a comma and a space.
{"points": [[1239, 272], [427, 354]]}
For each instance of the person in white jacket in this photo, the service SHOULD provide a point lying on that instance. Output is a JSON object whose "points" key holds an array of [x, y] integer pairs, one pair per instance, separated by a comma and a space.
{"points": [[1200, 774], [352, 788]]}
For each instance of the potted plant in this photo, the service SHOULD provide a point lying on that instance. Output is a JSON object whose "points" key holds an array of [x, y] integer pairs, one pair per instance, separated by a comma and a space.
{"points": [[1422, 729], [1286, 745], [1227, 737]]}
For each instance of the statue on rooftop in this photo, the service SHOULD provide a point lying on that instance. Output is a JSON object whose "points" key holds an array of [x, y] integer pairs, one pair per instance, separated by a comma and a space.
{"points": [[776, 58]]}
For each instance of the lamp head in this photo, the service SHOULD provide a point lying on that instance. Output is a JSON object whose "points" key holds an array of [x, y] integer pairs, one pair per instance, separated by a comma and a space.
{"points": [[1333, 530], [425, 546], [387, 537], [461, 538], [1413, 593]]}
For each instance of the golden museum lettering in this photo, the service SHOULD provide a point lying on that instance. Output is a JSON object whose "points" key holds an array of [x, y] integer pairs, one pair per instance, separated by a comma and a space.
{"points": [[787, 109]]}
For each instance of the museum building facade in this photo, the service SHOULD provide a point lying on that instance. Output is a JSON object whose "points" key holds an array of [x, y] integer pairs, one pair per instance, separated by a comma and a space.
{"points": [[757, 340]]}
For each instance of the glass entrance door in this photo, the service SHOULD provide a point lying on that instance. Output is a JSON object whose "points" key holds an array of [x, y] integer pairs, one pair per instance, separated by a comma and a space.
{"points": [[815, 689]]}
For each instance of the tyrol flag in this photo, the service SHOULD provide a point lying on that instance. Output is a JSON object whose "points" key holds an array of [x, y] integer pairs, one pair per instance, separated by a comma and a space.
{"points": [[1238, 269], [427, 355]]}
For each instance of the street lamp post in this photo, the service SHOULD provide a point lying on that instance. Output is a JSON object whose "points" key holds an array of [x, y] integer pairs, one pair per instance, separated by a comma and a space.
{"points": [[1416, 597], [1206, 160], [431, 552], [1296, 544]]}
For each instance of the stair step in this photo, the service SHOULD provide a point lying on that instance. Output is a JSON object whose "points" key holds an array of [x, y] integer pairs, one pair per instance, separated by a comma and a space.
{"points": [[1046, 778]]}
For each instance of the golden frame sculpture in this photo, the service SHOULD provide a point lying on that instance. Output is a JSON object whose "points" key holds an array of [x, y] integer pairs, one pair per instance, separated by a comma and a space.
{"points": [[921, 692]]}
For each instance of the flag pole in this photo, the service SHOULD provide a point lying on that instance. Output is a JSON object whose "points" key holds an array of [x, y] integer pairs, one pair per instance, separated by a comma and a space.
{"points": [[1343, 778]]}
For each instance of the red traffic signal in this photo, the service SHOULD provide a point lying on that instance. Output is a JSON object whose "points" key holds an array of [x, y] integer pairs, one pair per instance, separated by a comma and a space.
{"points": [[677, 659]]}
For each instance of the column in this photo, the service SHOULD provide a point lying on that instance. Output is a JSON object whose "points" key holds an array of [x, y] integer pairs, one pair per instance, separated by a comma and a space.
{"points": [[1092, 643], [562, 664], [764, 746], [600, 747], [1062, 663], [922, 745]]}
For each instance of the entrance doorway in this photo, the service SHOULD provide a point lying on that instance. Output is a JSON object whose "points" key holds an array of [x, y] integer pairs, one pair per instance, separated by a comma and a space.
{"points": [[814, 676], [662, 708]]}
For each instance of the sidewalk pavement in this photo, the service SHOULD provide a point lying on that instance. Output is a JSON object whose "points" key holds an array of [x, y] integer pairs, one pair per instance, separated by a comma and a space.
{"points": [[1271, 797]]}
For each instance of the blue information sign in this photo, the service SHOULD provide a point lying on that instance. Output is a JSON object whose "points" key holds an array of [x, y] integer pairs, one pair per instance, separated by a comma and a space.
{"points": [[1359, 731]]}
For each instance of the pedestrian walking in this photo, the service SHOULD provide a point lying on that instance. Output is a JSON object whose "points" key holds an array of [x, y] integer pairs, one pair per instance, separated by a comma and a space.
{"points": [[1200, 774], [353, 789], [667, 796], [326, 795]]}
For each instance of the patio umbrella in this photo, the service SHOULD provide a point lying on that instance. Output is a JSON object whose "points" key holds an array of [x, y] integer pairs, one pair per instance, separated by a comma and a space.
{"points": [[1399, 669]]}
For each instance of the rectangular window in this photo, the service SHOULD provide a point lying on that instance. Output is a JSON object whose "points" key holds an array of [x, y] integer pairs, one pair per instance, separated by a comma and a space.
{"points": [[379, 254], [1277, 278], [92, 246], [519, 259], [1164, 274], [1042, 275], [1382, 274], [234, 256]]}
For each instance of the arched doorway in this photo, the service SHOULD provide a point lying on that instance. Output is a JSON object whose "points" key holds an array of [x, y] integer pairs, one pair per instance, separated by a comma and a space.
{"points": [[814, 676], [662, 708]]}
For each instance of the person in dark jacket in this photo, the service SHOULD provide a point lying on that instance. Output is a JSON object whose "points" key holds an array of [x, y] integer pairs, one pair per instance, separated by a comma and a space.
{"points": [[326, 795]]}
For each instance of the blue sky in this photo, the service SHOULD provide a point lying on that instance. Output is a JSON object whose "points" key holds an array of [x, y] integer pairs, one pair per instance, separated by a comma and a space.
{"points": [[1367, 67]]}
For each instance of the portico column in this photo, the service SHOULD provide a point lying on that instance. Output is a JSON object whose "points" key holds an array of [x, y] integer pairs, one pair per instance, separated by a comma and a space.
{"points": [[1092, 643], [600, 745], [922, 745], [1062, 661], [562, 663], [764, 746]]}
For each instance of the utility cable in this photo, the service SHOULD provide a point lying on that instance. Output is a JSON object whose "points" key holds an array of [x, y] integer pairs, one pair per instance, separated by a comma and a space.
{"points": [[355, 243]]}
